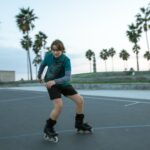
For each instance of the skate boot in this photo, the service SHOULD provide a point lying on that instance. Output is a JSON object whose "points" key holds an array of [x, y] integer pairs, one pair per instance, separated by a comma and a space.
{"points": [[81, 126], [49, 132]]}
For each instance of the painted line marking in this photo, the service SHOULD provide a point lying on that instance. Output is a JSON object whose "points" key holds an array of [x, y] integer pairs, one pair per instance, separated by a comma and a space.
{"points": [[131, 104], [71, 130], [20, 99], [118, 100]]}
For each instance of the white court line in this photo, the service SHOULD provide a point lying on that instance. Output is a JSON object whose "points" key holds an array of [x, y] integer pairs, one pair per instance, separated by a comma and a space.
{"points": [[131, 104], [20, 99], [71, 130], [118, 100]]}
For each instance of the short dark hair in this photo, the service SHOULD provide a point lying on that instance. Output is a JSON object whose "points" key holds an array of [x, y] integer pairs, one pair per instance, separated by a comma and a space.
{"points": [[59, 44]]}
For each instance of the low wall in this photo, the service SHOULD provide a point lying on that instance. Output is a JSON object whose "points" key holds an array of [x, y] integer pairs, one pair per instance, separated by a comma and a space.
{"points": [[114, 86], [7, 76]]}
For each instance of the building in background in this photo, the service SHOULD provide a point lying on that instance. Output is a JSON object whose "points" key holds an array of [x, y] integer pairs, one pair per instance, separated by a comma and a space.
{"points": [[7, 76]]}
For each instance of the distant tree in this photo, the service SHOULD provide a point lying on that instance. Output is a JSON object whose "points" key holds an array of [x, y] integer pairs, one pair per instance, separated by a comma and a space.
{"points": [[24, 21], [39, 43], [26, 43], [89, 53], [94, 63], [134, 34], [124, 55], [104, 55], [147, 55], [111, 53], [143, 20], [37, 60]]}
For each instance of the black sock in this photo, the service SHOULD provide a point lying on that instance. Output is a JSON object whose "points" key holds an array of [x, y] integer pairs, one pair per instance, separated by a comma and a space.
{"points": [[50, 123], [81, 116]]}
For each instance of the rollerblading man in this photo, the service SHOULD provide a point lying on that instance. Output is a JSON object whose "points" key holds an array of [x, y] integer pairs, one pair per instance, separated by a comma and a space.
{"points": [[57, 82]]}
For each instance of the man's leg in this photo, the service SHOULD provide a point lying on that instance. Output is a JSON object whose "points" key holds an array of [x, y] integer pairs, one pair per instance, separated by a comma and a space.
{"points": [[49, 127], [58, 104], [79, 101], [79, 118]]}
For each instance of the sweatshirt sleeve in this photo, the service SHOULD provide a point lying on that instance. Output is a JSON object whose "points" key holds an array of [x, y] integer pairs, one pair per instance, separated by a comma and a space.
{"points": [[41, 68], [67, 76]]}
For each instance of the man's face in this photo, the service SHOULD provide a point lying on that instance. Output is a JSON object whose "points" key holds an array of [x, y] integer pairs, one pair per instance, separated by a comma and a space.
{"points": [[56, 52]]}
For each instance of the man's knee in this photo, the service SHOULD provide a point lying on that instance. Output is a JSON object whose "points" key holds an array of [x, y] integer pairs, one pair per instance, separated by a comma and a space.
{"points": [[81, 100], [58, 103]]}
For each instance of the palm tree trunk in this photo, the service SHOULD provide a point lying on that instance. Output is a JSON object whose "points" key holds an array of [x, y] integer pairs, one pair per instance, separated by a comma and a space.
{"points": [[30, 67], [124, 65], [112, 64], [36, 70], [90, 66], [105, 66], [27, 67], [137, 61], [147, 40], [94, 64]]}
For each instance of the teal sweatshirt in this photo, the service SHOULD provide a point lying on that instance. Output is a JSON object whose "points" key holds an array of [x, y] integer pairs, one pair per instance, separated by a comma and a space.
{"points": [[59, 69]]}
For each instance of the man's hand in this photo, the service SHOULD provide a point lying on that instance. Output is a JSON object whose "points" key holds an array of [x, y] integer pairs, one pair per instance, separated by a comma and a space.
{"points": [[49, 84], [40, 80]]}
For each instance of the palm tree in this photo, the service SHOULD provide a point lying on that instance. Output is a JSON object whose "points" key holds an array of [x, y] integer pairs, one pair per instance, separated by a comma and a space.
{"points": [[111, 53], [94, 63], [104, 55], [24, 21], [37, 60], [134, 34], [26, 43], [143, 20], [89, 54], [147, 55], [124, 55], [40, 41]]}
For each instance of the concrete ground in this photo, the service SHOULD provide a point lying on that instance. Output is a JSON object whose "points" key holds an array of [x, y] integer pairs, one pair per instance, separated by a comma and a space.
{"points": [[120, 121]]}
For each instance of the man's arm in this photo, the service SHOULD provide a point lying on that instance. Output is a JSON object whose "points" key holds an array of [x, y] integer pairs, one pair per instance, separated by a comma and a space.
{"points": [[41, 69], [67, 76], [64, 79]]}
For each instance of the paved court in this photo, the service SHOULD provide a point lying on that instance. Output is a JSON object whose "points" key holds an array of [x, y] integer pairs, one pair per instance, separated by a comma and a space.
{"points": [[119, 123]]}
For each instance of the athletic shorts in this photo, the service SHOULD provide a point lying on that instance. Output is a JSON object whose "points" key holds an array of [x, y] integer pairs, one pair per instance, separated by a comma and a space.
{"points": [[56, 90]]}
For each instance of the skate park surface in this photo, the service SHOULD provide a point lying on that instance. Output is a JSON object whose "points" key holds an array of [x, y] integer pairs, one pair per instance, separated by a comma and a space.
{"points": [[120, 120]]}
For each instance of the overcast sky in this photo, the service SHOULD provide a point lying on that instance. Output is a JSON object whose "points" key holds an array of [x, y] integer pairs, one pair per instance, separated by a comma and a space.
{"points": [[80, 24]]}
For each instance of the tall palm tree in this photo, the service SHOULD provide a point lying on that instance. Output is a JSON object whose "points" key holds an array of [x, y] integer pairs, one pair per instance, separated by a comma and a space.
{"points": [[143, 20], [89, 54], [94, 63], [40, 41], [147, 55], [124, 55], [104, 55], [24, 21], [111, 53], [26, 42], [134, 34], [37, 60]]}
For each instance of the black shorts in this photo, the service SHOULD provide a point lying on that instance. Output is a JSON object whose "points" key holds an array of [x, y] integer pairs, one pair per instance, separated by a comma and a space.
{"points": [[56, 91]]}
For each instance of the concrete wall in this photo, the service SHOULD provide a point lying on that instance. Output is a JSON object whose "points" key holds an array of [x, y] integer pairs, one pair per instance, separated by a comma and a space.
{"points": [[7, 76], [114, 86]]}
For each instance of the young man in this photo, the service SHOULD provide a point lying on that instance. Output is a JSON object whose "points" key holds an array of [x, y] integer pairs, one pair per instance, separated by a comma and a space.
{"points": [[57, 81]]}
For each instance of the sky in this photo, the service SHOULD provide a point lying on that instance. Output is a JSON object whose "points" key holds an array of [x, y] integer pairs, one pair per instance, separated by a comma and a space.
{"points": [[80, 24]]}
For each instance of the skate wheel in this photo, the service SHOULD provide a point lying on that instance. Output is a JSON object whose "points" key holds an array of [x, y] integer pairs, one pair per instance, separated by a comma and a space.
{"points": [[80, 131], [45, 137], [85, 131], [51, 139], [55, 139]]}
